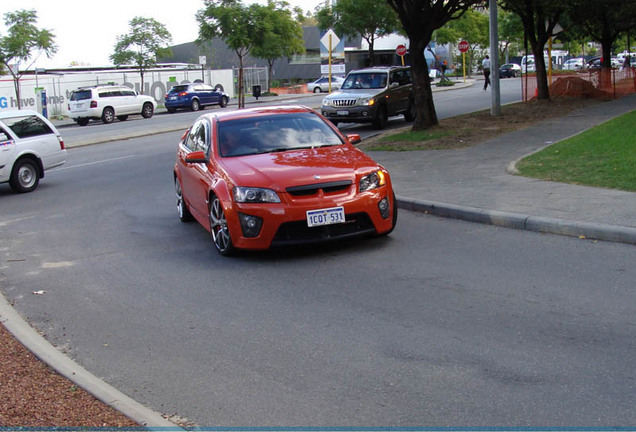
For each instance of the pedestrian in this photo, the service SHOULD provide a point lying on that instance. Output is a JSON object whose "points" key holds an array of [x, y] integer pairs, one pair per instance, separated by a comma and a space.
{"points": [[485, 64]]}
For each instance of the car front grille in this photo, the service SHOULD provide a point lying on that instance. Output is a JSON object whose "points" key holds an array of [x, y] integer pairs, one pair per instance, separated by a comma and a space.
{"points": [[341, 103], [312, 189], [293, 233]]}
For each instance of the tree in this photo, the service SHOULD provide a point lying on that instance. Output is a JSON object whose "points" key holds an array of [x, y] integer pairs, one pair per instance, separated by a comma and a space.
{"points": [[368, 19], [472, 26], [283, 35], [604, 21], [24, 42], [420, 18], [147, 41], [239, 27], [510, 32], [539, 18]]}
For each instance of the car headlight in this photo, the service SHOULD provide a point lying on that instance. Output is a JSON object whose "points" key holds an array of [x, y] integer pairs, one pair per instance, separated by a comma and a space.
{"points": [[255, 195], [326, 102], [367, 102], [372, 181]]}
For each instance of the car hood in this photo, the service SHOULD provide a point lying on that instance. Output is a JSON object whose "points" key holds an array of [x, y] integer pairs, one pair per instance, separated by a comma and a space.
{"points": [[354, 94], [281, 170]]}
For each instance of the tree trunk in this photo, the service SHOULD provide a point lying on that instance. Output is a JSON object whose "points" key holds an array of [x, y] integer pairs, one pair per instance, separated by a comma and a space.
{"points": [[426, 115], [241, 95]]}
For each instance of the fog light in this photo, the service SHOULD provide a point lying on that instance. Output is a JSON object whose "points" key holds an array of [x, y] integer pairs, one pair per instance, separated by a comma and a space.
{"points": [[383, 206], [250, 225]]}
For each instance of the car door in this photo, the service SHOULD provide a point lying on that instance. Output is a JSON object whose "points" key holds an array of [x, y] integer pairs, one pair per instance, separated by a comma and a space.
{"points": [[211, 97], [196, 177], [398, 95], [130, 103], [7, 153]]}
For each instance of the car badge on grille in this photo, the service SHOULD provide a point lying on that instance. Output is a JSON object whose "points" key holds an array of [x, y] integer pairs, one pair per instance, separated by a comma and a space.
{"points": [[316, 176]]}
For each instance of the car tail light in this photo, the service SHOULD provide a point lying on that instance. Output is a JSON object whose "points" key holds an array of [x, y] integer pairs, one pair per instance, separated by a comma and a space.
{"points": [[93, 104], [62, 146], [183, 94]]}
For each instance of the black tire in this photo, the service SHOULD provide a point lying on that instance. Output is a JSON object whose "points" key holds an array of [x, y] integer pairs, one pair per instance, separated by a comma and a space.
{"points": [[411, 111], [122, 117], [148, 110], [25, 176], [218, 228], [82, 121], [317, 90], [171, 110], [195, 105], [108, 115], [381, 119], [223, 102], [182, 207]]}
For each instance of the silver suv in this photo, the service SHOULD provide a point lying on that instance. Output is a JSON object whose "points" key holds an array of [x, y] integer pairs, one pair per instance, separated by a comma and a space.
{"points": [[372, 95], [107, 102]]}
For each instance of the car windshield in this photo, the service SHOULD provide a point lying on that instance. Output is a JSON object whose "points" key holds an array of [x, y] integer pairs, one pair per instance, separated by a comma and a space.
{"points": [[78, 95], [274, 133], [367, 80]]}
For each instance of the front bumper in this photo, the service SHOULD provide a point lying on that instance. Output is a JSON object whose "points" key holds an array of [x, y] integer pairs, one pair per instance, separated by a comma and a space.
{"points": [[356, 114], [285, 223]]}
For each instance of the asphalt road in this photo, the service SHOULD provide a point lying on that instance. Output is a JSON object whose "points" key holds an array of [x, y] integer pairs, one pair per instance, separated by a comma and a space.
{"points": [[442, 323]]}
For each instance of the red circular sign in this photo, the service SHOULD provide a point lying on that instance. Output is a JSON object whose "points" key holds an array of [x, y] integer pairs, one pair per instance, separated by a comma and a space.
{"points": [[400, 50], [463, 46]]}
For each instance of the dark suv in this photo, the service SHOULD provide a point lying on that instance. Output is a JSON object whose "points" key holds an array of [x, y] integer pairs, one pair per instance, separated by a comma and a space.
{"points": [[372, 95]]}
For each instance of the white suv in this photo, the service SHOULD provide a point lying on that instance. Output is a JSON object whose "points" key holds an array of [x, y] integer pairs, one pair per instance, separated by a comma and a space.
{"points": [[29, 145], [106, 102]]}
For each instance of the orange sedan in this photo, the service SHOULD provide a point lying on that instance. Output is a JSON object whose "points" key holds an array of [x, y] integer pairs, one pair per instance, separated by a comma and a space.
{"points": [[275, 176]]}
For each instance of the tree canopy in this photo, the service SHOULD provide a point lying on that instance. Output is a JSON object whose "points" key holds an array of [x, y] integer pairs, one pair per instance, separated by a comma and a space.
{"points": [[368, 19], [24, 42], [147, 41]]}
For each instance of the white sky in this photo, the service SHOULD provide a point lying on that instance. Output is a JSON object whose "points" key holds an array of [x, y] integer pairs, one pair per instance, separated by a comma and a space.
{"points": [[86, 31]]}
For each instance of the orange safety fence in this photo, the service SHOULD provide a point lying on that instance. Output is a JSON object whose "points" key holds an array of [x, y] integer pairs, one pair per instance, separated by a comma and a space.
{"points": [[598, 84]]}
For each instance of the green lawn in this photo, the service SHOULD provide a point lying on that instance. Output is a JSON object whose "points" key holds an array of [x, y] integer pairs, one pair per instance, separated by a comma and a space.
{"points": [[604, 156]]}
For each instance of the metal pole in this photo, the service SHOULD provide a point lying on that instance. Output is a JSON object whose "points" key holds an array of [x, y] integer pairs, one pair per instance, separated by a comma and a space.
{"points": [[495, 109]]}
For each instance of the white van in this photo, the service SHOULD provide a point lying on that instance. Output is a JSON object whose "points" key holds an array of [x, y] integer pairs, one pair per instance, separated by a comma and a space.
{"points": [[528, 65], [29, 145]]}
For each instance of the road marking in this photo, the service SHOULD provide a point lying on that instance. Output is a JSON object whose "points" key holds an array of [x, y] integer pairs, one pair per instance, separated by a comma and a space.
{"points": [[91, 163]]}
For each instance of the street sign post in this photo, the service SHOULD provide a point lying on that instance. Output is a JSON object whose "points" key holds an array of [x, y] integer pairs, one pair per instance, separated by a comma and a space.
{"points": [[401, 51], [463, 47]]}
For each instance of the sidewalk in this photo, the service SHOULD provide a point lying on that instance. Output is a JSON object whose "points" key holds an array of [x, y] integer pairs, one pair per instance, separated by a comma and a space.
{"points": [[478, 184]]}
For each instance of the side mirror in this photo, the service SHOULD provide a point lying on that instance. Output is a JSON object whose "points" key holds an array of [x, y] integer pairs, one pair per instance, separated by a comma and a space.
{"points": [[394, 84], [196, 157], [353, 138]]}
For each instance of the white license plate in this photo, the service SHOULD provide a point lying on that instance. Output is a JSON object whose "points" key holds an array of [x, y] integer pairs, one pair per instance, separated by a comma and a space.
{"points": [[173, 98], [342, 112], [327, 216]]}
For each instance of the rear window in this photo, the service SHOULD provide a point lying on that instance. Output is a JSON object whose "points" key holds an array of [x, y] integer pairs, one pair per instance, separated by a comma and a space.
{"points": [[178, 88], [27, 126], [78, 95]]}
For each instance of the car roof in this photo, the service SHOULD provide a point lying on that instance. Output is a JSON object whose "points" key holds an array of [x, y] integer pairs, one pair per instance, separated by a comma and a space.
{"points": [[256, 112], [379, 69], [17, 113]]}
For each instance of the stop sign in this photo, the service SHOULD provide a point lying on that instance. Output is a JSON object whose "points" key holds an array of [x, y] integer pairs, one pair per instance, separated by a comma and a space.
{"points": [[463, 46], [400, 50]]}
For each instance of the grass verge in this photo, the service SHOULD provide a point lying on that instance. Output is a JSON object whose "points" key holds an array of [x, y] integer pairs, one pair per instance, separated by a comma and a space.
{"points": [[604, 156]]}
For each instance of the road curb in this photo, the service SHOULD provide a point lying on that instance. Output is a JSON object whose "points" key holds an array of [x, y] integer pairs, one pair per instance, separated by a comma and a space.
{"points": [[587, 230], [68, 368]]}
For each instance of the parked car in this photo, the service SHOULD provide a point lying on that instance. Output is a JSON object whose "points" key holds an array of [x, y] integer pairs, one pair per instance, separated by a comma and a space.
{"points": [[107, 102], [275, 176], [574, 64], [322, 84], [509, 70], [194, 97], [372, 95], [29, 146]]}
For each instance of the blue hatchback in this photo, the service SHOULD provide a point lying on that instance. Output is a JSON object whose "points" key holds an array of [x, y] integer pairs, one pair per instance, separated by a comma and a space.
{"points": [[194, 96]]}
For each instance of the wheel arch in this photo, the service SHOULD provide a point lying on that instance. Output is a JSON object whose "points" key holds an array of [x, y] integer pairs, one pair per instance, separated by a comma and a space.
{"points": [[35, 158]]}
